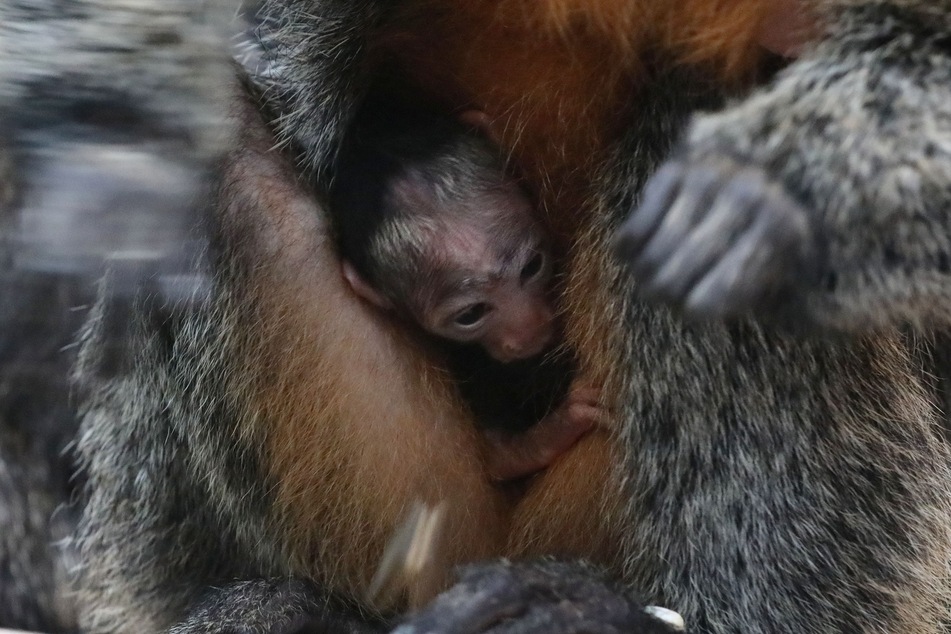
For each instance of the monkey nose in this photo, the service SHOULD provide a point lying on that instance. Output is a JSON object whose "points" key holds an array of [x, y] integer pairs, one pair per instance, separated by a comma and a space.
{"points": [[524, 346]]}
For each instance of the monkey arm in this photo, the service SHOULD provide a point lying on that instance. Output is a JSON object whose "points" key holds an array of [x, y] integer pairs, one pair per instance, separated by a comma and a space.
{"points": [[827, 196], [513, 456]]}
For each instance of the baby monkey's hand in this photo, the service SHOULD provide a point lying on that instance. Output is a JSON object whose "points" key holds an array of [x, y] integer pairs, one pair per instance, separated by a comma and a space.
{"points": [[513, 456]]}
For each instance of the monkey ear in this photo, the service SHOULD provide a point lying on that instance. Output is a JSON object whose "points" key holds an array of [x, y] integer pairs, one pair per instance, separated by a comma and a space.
{"points": [[362, 289]]}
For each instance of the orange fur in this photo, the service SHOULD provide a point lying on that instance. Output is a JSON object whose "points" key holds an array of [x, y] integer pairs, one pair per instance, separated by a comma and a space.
{"points": [[716, 33], [556, 103], [555, 76], [587, 477], [356, 423], [589, 526]]}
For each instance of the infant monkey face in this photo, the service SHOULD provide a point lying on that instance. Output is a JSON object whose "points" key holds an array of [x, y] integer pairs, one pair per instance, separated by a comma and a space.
{"points": [[522, 324], [496, 297]]}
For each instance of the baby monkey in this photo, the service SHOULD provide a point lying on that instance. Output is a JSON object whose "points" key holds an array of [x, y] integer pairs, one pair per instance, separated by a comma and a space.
{"points": [[432, 228]]}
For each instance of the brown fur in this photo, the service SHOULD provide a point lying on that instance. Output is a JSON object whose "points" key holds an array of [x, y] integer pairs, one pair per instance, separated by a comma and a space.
{"points": [[384, 410], [589, 527], [554, 76]]}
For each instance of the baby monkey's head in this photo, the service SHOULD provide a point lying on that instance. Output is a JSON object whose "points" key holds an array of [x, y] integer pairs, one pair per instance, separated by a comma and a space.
{"points": [[453, 244]]}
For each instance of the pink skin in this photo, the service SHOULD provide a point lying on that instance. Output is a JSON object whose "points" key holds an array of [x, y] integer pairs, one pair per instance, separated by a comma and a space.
{"points": [[787, 28], [519, 321], [521, 325], [515, 456], [524, 326]]}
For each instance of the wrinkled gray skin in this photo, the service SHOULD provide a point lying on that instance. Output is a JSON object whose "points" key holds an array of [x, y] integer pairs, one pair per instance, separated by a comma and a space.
{"points": [[778, 482]]}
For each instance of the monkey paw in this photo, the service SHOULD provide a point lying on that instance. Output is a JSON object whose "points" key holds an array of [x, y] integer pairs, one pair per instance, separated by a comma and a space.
{"points": [[541, 597], [717, 239]]}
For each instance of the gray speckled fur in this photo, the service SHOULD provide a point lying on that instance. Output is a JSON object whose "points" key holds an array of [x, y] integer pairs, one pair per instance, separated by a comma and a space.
{"points": [[110, 122], [777, 483], [163, 515], [178, 512], [798, 484], [312, 71], [859, 132]]}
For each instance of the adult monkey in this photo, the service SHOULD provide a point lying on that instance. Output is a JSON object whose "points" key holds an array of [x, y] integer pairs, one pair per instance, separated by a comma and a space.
{"points": [[728, 429]]}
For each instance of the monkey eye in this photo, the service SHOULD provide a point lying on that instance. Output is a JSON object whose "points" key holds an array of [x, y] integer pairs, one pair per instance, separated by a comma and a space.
{"points": [[472, 315], [533, 267]]}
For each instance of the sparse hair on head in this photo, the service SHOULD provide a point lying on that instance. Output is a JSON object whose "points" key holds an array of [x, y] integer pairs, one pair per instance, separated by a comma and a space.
{"points": [[403, 179]]}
